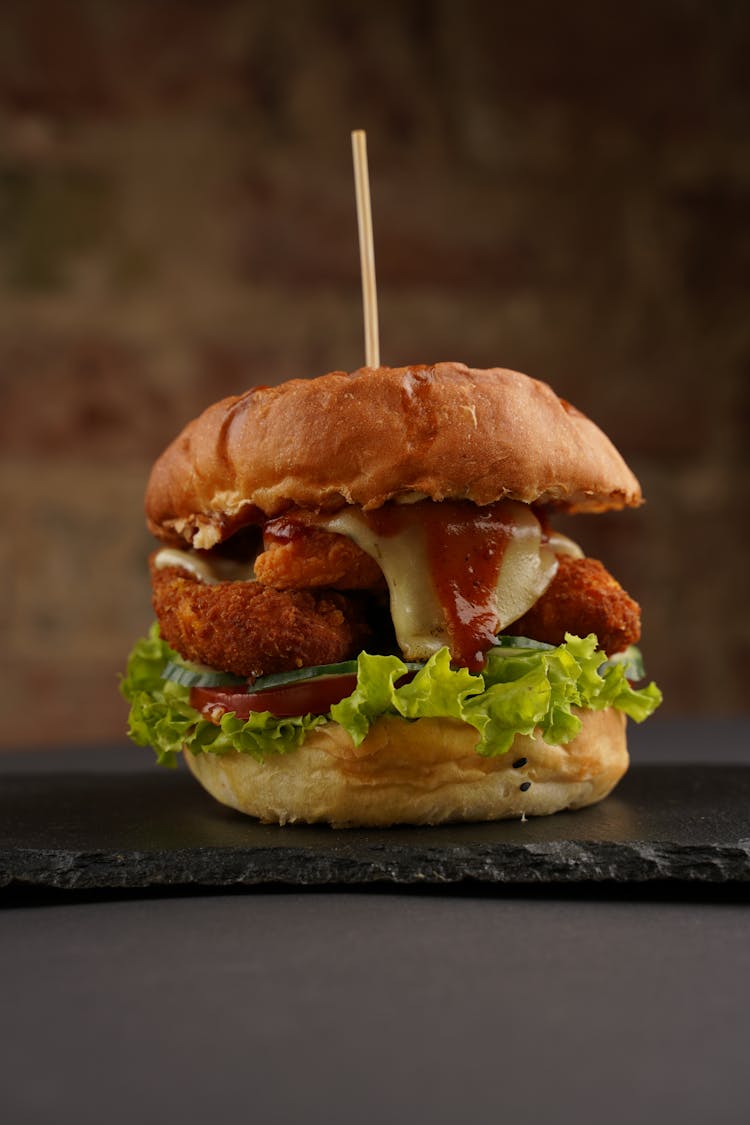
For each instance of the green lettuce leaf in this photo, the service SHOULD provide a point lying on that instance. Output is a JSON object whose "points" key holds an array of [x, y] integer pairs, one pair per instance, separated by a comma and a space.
{"points": [[373, 696], [161, 715], [508, 708], [437, 690], [522, 690]]}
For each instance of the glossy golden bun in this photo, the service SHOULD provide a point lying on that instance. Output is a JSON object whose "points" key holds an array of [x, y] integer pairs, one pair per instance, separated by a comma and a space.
{"points": [[443, 432], [422, 772]]}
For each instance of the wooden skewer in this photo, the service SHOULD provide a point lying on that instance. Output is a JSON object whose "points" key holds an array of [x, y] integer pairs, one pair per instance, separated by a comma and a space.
{"points": [[366, 248]]}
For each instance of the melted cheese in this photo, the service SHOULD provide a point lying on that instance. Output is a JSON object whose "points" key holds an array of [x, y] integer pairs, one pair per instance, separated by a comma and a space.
{"points": [[208, 569], [418, 618], [527, 568], [561, 545]]}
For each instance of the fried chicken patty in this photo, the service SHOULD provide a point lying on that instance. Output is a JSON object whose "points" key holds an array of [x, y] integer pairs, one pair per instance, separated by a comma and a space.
{"points": [[293, 616], [582, 598], [253, 630], [312, 557]]}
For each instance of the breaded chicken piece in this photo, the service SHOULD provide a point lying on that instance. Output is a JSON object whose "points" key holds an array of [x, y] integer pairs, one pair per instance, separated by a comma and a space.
{"points": [[582, 598], [253, 630], [315, 558]]}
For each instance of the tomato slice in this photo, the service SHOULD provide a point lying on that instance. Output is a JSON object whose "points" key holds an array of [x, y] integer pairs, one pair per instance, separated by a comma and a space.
{"points": [[311, 697]]}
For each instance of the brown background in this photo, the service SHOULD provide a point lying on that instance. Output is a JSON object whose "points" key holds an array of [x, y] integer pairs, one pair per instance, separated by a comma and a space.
{"points": [[562, 189]]}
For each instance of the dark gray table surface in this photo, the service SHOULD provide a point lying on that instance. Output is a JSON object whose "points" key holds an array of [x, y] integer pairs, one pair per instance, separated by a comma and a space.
{"points": [[589, 1003]]}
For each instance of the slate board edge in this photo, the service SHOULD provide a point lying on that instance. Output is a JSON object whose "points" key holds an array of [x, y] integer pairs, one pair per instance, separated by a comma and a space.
{"points": [[548, 863]]}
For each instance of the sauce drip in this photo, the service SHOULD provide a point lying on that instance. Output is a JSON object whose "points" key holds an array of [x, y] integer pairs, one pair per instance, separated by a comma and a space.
{"points": [[465, 546], [287, 528]]}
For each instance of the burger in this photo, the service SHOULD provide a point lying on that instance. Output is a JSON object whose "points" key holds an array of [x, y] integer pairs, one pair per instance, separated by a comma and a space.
{"points": [[364, 614]]}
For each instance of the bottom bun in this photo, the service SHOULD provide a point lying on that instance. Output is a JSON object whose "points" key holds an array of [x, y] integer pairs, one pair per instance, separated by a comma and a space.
{"points": [[421, 772]]}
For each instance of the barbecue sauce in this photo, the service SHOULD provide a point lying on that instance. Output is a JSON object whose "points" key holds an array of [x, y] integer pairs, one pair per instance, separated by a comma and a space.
{"points": [[465, 546]]}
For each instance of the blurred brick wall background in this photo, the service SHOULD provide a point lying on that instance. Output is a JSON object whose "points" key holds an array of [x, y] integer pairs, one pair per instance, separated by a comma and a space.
{"points": [[562, 189]]}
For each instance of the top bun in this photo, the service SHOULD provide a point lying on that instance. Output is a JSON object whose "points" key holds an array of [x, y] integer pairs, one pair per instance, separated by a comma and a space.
{"points": [[441, 432]]}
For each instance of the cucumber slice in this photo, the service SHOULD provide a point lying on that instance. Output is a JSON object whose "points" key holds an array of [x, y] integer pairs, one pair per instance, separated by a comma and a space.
{"points": [[315, 672], [631, 661], [200, 675], [298, 675], [507, 641]]}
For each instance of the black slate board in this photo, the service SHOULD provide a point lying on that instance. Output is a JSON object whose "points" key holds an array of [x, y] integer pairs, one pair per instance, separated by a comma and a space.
{"points": [[104, 828]]}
